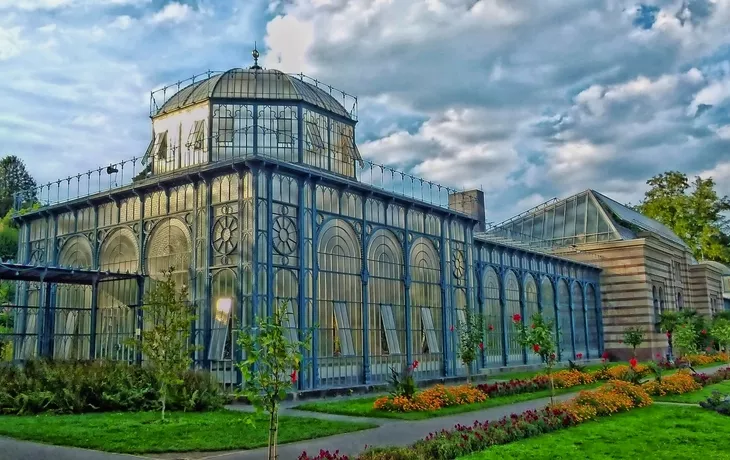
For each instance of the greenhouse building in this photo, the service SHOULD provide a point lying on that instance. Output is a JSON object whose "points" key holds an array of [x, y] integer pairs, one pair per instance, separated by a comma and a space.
{"points": [[253, 190]]}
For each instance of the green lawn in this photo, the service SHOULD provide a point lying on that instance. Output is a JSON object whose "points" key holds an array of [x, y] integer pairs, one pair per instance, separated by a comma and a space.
{"points": [[697, 396], [658, 432], [137, 433], [363, 407]]}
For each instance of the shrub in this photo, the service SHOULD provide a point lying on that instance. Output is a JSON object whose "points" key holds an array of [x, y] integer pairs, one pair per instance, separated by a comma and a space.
{"points": [[626, 373], [571, 378], [717, 377], [77, 387], [637, 394], [634, 336], [513, 387], [605, 401], [403, 383], [677, 384], [431, 399], [718, 402]]}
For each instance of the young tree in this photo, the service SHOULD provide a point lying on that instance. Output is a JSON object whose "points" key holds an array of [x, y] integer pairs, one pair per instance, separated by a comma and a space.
{"points": [[165, 343], [685, 337], [634, 336], [471, 339], [541, 338], [694, 211], [667, 323], [721, 332], [15, 179], [271, 364]]}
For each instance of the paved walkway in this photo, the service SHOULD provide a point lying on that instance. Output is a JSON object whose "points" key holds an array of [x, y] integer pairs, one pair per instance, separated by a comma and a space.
{"points": [[388, 433]]}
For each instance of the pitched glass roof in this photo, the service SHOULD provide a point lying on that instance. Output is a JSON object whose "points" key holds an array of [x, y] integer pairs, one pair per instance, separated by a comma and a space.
{"points": [[253, 84], [587, 217], [628, 215]]}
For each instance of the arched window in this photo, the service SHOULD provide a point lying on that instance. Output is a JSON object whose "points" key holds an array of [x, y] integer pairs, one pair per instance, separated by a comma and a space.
{"points": [[168, 246], [680, 301], [512, 303], [566, 345], [426, 320], [339, 304], [657, 312], [531, 304], [592, 318], [386, 309], [547, 295], [579, 319], [493, 318]]}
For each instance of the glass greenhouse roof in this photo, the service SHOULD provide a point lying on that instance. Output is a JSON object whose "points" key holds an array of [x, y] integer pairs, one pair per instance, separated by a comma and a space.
{"points": [[587, 217], [254, 83]]}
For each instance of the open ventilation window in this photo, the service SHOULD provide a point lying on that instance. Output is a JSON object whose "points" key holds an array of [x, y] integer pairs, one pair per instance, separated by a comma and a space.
{"points": [[344, 331], [220, 329], [225, 130], [160, 147], [196, 138], [313, 136], [430, 330], [391, 334], [289, 321]]}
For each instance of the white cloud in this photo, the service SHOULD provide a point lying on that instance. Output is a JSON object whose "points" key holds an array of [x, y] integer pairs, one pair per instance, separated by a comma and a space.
{"points": [[11, 43], [174, 12], [35, 5]]}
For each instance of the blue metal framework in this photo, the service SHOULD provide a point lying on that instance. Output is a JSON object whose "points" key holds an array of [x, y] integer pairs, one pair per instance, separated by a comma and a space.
{"points": [[275, 212]]}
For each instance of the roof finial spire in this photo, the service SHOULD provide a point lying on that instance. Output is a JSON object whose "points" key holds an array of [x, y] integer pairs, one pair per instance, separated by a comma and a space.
{"points": [[255, 54]]}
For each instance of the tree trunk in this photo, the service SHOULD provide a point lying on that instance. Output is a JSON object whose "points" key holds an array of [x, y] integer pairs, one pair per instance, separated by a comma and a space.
{"points": [[163, 394], [272, 432], [670, 351], [468, 373], [552, 386]]}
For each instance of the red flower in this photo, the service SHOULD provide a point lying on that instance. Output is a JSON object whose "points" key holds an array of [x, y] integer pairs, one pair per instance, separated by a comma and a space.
{"points": [[451, 328], [658, 356], [481, 346], [579, 356], [532, 326], [536, 348], [620, 342], [708, 349], [604, 355], [517, 318], [415, 364], [703, 332], [633, 362], [293, 376], [669, 335], [491, 328], [552, 355]]}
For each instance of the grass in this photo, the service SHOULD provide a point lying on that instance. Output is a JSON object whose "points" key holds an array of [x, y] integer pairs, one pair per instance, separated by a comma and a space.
{"points": [[697, 396], [141, 432], [657, 432], [363, 407]]}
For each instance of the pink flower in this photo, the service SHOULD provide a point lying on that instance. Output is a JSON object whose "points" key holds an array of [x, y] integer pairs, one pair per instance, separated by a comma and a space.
{"points": [[658, 356], [579, 356], [604, 355], [451, 328]]}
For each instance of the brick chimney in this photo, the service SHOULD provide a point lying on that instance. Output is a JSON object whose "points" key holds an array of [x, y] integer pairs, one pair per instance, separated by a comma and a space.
{"points": [[471, 203]]}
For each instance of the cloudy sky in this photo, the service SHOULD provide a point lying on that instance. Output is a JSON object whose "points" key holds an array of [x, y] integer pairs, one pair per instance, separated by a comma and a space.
{"points": [[526, 99]]}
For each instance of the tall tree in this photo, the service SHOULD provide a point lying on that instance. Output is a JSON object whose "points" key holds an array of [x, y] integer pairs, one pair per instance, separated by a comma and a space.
{"points": [[15, 179], [693, 210]]}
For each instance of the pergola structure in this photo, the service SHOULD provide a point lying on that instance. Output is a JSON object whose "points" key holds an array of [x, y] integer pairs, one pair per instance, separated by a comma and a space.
{"points": [[52, 276]]}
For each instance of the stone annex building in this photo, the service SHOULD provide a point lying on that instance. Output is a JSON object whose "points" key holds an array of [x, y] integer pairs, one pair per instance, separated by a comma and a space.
{"points": [[254, 190]]}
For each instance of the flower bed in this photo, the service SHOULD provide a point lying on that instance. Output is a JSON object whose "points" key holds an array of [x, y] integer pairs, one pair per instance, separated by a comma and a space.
{"points": [[621, 372], [706, 359], [716, 377], [676, 384], [571, 378], [514, 387], [431, 399], [613, 397]]}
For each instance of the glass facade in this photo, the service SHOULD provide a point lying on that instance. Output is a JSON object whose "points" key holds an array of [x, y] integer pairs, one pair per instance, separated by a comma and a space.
{"points": [[275, 217]]}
